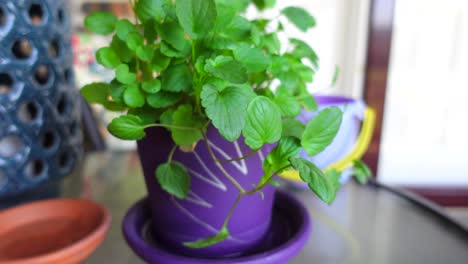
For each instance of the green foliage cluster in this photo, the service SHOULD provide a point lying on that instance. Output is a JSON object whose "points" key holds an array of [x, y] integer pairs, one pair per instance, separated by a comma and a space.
{"points": [[187, 64]]}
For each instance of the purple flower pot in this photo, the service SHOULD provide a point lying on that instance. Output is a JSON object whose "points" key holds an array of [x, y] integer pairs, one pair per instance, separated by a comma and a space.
{"points": [[345, 140], [203, 212]]}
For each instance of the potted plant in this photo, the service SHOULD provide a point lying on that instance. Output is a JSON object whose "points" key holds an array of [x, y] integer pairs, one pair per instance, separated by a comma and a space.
{"points": [[198, 83]]}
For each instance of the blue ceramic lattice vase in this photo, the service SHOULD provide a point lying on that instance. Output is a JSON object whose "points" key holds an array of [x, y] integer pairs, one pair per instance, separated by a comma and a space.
{"points": [[40, 135]]}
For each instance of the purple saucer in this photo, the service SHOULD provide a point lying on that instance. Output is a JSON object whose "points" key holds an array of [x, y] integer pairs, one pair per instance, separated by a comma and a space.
{"points": [[290, 230]]}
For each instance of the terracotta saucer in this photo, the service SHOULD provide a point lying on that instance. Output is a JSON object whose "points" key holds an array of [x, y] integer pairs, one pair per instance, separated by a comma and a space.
{"points": [[60, 231]]}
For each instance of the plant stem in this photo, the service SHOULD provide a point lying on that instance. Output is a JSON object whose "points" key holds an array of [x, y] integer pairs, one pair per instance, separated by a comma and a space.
{"points": [[261, 186], [171, 154], [231, 211], [171, 126], [240, 158], [220, 167]]}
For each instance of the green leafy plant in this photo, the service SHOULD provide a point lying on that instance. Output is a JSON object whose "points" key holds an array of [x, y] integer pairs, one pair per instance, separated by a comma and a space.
{"points": [[187, 64]]}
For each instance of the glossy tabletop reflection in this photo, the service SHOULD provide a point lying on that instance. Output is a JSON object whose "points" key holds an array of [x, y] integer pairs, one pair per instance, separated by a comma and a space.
{"points": [[366, 224]]}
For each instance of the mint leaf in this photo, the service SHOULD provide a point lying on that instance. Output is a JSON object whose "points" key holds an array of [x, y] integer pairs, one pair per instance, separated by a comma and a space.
{"points": [[263, 4], [197, 17], [177, 78], [107, 58], [150, 9], [263, 123], [133, 97], [147, 115], [321, 130], [206, 242], [334, 176], [299, 17], [174, 179], [272, 43], [152, 86], [160, 62], [127, 127], [227, 108], [293, 128], [239, 28], [134, 40], [257, 37], [303, 50], [184, 117], [113, 106], [219, 42], [225, 15], [116, 91], [278, 159], [308, 102], [145, 53], [238, 5], [172, 33], [169, 51], [288, 104], [305, 72], [324, 187], [361, 172], [123, 74], [227, 68], [253, 58], [102, 23], [279, 65], [96, 93], [166, 117], [149, 31], [163, 99], [124, 27], [121, 49]]}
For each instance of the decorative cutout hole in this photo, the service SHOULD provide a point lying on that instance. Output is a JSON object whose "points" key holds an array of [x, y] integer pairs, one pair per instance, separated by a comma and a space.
{"points": [[35, 169], [68, 76], [64, 160], [6, 83], [22, 49], [63, 105], [36, 14], [10, 146], [3, 17], [54, 48], [48, 140], [61, 16], [42, 74], [28, 112]]}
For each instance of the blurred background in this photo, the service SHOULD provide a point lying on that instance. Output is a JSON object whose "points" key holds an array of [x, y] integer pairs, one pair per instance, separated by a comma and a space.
{"points": [[406, 59]]}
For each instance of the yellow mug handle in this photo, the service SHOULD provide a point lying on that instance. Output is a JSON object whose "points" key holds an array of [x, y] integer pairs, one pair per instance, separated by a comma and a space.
{"points": [[359, 150]]}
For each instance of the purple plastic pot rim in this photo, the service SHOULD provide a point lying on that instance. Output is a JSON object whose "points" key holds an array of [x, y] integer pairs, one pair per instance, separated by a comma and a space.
{"points": [[334, 99]]}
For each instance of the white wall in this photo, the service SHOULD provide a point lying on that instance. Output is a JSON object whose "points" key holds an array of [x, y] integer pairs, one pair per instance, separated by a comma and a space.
{"points": [[425, 137]]}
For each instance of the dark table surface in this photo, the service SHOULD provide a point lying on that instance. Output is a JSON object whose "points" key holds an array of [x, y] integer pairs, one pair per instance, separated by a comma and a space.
{"points": [[366, 224]]}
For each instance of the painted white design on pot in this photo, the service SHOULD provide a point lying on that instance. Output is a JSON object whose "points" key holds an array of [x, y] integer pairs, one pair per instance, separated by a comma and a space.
{"points": [[201, 222], [196, 199], [240, 165], [262, 157], [212, 180]]}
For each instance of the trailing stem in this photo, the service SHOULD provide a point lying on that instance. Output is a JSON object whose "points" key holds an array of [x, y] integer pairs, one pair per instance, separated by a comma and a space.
{"points": [[220, 167]]}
